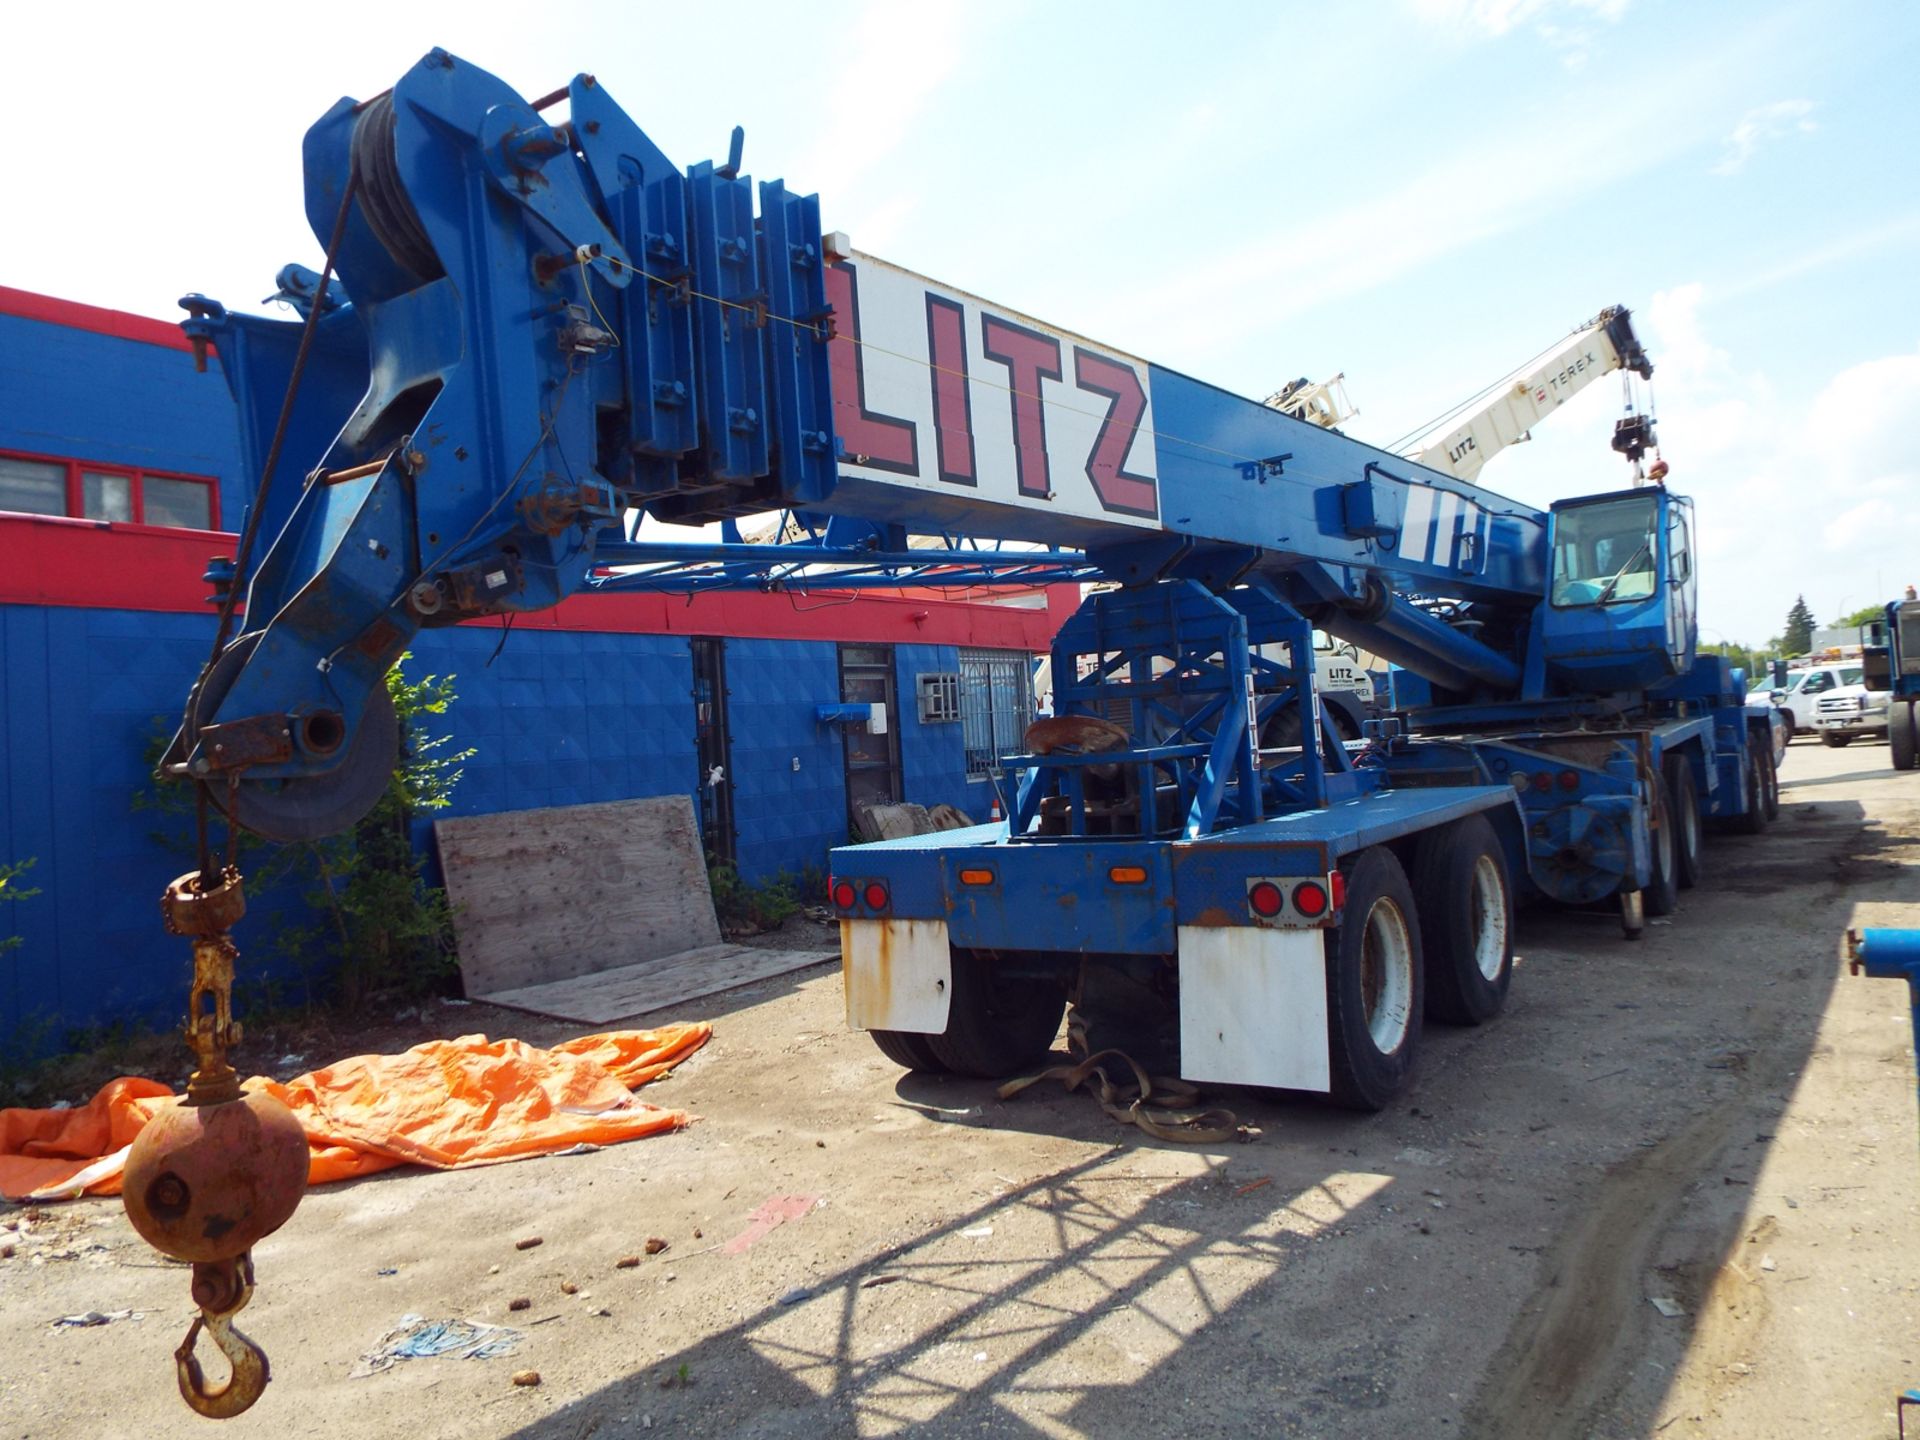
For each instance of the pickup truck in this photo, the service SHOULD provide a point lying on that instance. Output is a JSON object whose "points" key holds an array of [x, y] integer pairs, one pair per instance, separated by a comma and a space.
{"points": [[1803, 690], [1843, 715]]}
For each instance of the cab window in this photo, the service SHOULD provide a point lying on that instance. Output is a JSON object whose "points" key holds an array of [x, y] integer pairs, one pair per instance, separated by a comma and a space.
{"points": [[1605, 553]]}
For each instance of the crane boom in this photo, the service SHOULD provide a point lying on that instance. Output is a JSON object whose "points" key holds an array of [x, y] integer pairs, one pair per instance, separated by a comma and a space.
{"points": [[1602, 346]]}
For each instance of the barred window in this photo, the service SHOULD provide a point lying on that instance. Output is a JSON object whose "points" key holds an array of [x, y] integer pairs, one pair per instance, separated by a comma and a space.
{"points": [[996, 705]]}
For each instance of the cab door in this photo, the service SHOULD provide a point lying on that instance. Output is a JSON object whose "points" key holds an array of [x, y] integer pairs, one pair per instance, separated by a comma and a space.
{"points": [[1682, 583]]}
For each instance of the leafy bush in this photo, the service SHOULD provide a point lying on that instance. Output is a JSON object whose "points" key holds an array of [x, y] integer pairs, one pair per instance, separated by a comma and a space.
{"points": [[390, 932], [11, 893], [744, 908]]}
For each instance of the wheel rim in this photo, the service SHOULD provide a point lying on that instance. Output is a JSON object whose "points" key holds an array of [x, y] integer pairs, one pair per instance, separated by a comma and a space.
{"points": [[1489, 918], [1690, 827], [1386, 975]]}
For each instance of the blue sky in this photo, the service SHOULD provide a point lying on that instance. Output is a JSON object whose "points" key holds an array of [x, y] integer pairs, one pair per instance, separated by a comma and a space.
{"points": [[1421, 195]]}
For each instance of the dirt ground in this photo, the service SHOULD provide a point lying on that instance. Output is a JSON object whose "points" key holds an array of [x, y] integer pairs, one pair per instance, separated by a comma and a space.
{"points": [[1714, 1116]]}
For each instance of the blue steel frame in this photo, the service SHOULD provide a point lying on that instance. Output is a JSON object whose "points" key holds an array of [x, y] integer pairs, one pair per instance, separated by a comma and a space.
{"points": [[1190, 665]]}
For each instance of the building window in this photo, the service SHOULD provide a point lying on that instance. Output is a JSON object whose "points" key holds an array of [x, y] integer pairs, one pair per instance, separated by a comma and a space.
{"points": [[996, 705], [34, 487], [46, 485]]}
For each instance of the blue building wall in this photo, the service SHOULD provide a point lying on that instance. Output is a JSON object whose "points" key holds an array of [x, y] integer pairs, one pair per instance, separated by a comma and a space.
{"points": [[86, 396], [563, 717], [559, 718], [788, 774], [82, 689], [933, 759]]}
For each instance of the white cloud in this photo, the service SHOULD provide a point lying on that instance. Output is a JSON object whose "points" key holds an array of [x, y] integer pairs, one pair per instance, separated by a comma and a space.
{"points": [[1793, 499], [1759, 126]]}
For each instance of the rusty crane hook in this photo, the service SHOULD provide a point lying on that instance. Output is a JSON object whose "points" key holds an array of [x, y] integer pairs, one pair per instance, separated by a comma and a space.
{"points": [[222, 1289]]}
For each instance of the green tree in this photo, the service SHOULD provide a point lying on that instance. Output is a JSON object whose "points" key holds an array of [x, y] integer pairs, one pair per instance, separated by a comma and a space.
{"points": [[1865, 615], [1799, 636], [1744, 656]]}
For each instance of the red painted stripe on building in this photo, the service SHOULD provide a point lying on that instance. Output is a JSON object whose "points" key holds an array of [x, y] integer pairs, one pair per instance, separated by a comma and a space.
{"points": [[88, 564], [29, 305]]}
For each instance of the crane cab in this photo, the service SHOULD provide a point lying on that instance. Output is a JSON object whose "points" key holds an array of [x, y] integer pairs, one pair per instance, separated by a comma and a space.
{"points": [[1620, 593]]}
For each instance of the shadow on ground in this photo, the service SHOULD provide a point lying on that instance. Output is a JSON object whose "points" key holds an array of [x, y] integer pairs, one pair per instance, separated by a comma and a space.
{"points": [[1118, 1295]]}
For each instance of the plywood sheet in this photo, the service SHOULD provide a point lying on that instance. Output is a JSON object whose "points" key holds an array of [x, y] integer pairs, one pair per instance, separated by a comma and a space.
{"points": [[546, 895], [655, 984]]}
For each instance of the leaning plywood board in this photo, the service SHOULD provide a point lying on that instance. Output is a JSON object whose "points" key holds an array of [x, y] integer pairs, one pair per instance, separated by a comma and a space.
{"points": [[545, 895], [656, 984]]}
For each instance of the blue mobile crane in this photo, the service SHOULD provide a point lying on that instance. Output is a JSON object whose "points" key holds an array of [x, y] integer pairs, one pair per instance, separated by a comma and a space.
{"points": [[535, 339], [529, 333]]}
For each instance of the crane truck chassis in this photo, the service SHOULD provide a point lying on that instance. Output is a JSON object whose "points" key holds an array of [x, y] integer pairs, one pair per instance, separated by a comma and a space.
{"points": [[538, 330]]}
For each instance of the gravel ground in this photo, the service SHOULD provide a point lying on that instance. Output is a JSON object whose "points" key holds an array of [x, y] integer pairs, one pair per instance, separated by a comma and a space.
{"points": [[1713, 1117]]}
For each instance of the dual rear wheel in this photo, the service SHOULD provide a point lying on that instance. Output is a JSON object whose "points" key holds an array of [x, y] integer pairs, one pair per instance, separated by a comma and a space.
{"points": [[1434, 944], [997, 1024]]}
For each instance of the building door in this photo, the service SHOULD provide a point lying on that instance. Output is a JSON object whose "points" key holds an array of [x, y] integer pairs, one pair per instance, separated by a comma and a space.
{"points": [[873, 761], [712, 745]]}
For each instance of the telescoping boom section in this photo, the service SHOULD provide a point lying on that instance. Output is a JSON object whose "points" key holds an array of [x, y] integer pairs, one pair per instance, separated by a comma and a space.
{"points": [[540, 351]]}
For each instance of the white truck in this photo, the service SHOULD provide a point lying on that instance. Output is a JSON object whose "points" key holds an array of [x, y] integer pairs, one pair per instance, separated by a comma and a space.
{"points": [[1831, 701], [1849, 713]]}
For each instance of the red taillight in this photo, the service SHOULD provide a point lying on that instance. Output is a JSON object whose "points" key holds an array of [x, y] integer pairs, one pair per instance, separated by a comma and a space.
{"points": [[1310, 899], [1265, 899], [843, 894], [876, 896], [1569, 780], [1338, 880], [1542, 780]]}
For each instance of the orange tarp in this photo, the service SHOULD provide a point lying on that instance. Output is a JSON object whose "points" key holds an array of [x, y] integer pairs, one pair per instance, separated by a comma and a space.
{"points": [[444, 1104]]}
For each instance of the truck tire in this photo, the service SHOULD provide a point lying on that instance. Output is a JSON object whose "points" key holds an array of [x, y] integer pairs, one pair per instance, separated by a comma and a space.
{"points": [[1903, 733], [1683, 803], [908, 1050], [996, 1025], [1464, 893], [1770, 785], [1662, 893], [1836, 740], [1754, 819], [1375, 984]]}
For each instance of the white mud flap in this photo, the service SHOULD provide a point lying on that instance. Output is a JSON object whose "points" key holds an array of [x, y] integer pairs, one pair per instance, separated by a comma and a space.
{"points": [[898, 974], [1253, 1006]]}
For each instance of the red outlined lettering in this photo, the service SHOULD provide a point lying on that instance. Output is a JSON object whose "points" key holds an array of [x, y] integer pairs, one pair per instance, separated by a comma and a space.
{"points": [[1118, 488], [879, 442], [1030, 357], [952, 404]]}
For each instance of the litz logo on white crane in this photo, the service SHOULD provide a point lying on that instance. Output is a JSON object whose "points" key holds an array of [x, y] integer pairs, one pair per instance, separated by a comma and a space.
{"points": [[933, 388]]}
